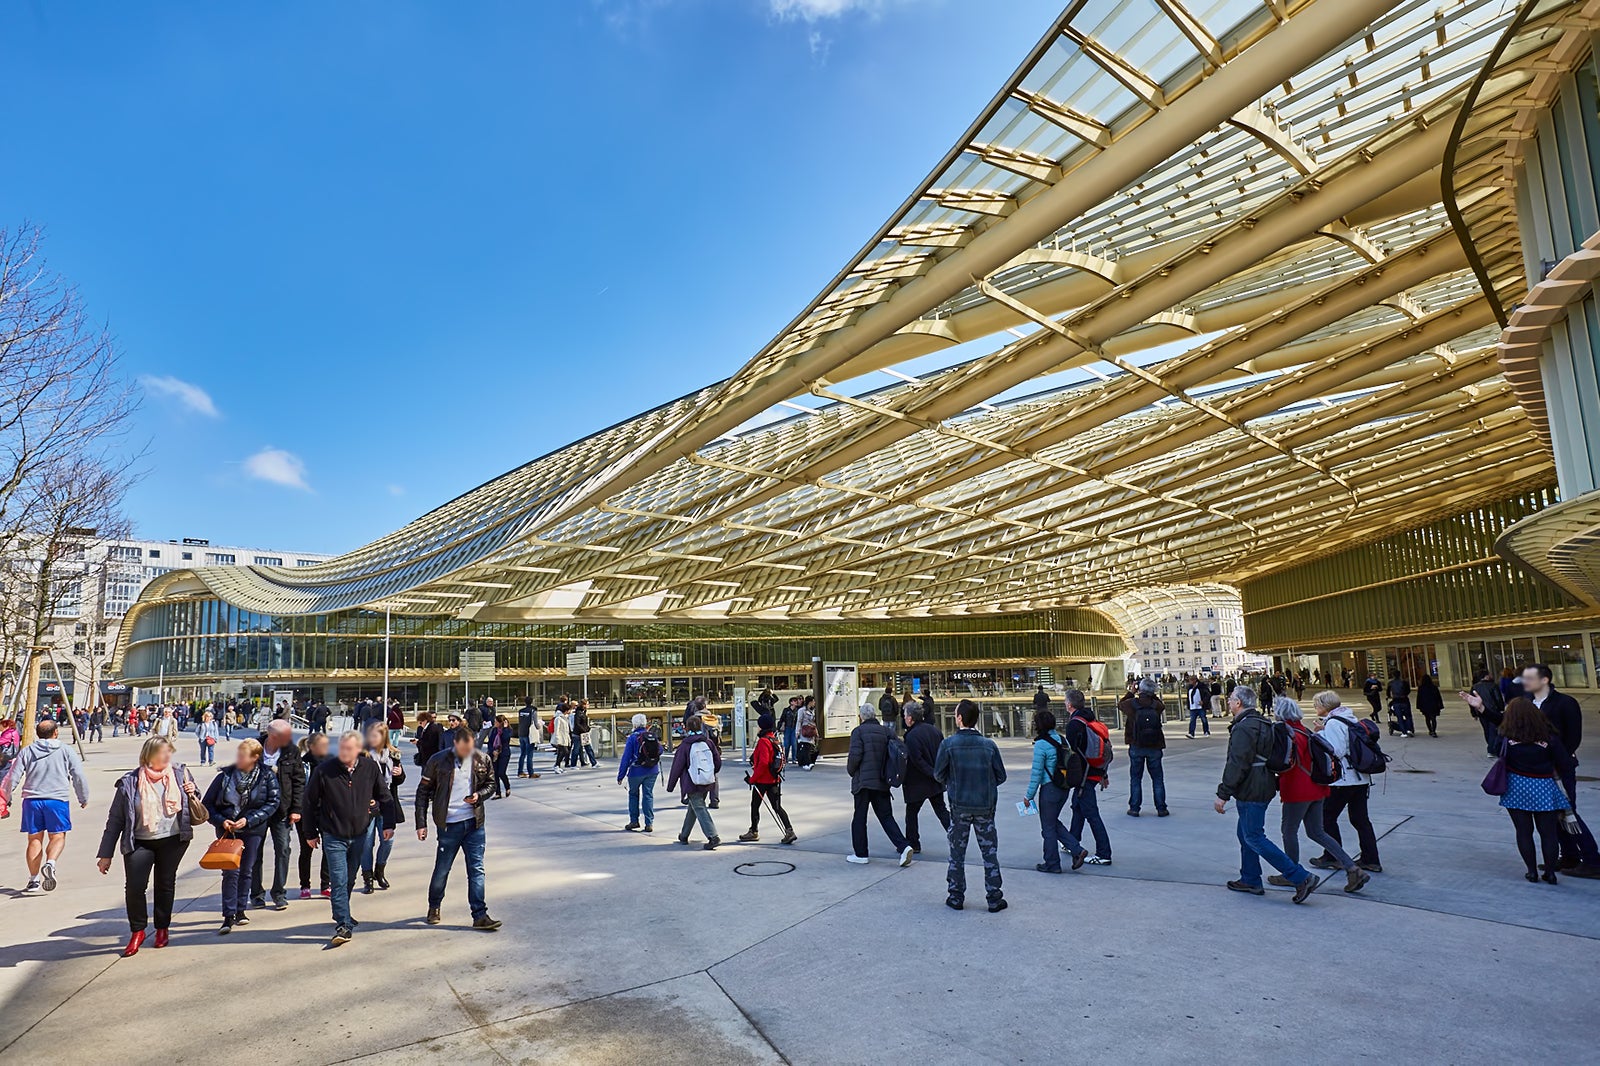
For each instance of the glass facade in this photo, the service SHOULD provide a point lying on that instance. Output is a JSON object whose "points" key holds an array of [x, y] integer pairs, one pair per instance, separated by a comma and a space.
{"points": [[209, 638], [1438, 577]]}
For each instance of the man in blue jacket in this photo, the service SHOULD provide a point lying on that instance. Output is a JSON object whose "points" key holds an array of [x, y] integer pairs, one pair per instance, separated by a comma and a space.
{"points": [[970, 769]]}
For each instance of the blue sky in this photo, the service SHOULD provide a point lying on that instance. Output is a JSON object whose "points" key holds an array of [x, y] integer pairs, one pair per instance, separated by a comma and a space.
{"points": [[368, 255]]}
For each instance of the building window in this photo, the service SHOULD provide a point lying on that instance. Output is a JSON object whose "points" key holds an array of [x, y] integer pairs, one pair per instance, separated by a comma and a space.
{"points": [[268, 560], [219, 559], [123, 551], [99, 647], [155, 553], [79, 649], [305, 562], [187, 556], [80, 629]]}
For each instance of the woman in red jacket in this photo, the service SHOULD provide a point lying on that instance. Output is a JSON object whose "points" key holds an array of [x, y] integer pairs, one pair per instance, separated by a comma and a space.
{"points": [[1302, 801], [766, 779]]}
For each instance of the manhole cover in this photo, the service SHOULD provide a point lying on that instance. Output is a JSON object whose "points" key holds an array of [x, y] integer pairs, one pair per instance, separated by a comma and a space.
{"points": [[764, 869]]}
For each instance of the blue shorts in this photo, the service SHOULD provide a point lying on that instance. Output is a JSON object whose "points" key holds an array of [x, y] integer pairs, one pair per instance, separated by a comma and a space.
{"points": [[46, 816]]}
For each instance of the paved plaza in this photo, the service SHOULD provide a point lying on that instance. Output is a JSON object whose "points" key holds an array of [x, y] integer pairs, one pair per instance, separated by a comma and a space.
{"points": [[622, 948]]}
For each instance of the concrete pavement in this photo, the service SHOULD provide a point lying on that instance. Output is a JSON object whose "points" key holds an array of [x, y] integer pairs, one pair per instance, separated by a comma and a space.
{"points": [[621, 948]]}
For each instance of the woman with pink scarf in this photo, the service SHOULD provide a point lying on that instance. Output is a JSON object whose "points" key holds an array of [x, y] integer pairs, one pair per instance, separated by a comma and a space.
{"points": [[151, 823]]}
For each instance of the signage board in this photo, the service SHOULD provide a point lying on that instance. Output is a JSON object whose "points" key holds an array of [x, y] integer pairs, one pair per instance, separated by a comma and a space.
{"points": [[598, 645], [578, 664], [477, 666], [841, 702]]}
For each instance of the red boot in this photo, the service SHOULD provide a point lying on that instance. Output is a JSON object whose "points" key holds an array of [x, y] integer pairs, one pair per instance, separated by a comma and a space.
{"points": [[161, 938], [135, 942]]}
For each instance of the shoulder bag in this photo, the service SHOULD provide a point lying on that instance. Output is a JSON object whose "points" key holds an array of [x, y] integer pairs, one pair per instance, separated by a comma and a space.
{"points": [[1496, 781]]}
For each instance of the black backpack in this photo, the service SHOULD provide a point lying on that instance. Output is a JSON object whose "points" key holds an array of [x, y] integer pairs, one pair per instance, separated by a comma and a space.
{"points": [[1147, 726], [1325, 768], [894, 762], [1365, 755], [1280, 754], [1068, 775], [648, 756]]}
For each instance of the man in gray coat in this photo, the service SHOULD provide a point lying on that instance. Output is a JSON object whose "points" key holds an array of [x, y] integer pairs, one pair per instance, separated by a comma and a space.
{"points": [[869, 749]]}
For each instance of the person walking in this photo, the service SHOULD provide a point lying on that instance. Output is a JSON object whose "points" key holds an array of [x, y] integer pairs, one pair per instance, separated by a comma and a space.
{"points": [[1247, 781], [766, 782], [869, 751], [206, 735], [1085, 799], [1399, 690], [313, 753], [1302, 800], [1050, 779], [1199, 706], [1144, 714], [921, 784], [1430, 701], [640, 766], [241, 800], [51, 774], [1488, 709], [375, 850], [789, 722], [1535, 759], [451, 792], [695, 765], [166, 726], [527, 737], [150, 824], [343, 795], [561, 739], [714, 738], [1372, 688], [971, 770], [1351, 792], [430, 737], [500, 755], [279, 756], [582, 734]]}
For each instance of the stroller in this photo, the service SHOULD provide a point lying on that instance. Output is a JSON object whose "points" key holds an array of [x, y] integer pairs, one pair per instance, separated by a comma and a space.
{"points": [[1400, 717]]}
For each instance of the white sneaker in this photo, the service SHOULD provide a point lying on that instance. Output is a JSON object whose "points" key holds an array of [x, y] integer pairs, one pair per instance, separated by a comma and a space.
{"points": [[905, 856], [48, 873], [859, 860], [33, 885]]}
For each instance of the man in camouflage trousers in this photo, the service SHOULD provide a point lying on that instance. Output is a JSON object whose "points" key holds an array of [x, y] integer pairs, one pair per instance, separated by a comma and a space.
{"points": [[969, 767]]}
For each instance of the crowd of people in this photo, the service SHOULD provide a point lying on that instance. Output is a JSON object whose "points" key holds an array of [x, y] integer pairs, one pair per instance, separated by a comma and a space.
{"points": [[340, 798]]}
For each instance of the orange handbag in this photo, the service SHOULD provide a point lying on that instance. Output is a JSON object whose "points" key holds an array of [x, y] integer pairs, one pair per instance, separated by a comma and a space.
{"points": [[225, 853]]}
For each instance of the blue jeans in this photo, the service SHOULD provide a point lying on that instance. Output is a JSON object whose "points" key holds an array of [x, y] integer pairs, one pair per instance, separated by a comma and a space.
{"points": [[1086, 808], [208, 753], [1051, 799], [1138, 759], [1199, 715], [788, 742], [466, 837], [642, 796], [374, 842], [524, 756], [341, 872], [236, 883], [1255, 845], [696, 811]]}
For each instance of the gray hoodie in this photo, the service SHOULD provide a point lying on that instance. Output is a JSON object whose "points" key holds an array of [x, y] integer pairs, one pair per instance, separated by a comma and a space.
{"points": [[48, 769]]}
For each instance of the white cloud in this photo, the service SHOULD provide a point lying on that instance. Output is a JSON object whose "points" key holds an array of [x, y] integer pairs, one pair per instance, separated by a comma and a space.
{"points": [[279, 467], [191, 396], [397, 490], [812, 10]]}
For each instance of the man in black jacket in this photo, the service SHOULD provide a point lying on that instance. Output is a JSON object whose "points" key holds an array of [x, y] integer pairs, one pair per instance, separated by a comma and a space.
{"points": [[921, 786], [1579, 857], [338, 809], [278, 754], [451, 794], [1143, 714]]}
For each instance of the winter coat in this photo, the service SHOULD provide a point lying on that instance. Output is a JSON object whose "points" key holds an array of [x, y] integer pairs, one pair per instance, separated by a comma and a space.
{"points": [[969, 764], [1245, 776], [922, 751], [1295, 784], [1336, 731], [123, 817], [257, 807], [869, 749]]}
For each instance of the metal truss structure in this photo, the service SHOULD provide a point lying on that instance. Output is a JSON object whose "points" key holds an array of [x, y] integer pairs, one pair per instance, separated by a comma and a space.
{"points": [[1183, 305]]}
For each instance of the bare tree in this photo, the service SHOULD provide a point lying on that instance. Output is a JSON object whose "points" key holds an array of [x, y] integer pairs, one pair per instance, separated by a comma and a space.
{"points": [[65, 408]]}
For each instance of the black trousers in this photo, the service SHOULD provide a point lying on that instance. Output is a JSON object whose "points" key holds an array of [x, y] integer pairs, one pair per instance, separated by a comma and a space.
{"points": [[305, 859], [1352, 798], [940, 811], [774, 794], [160, 857], [278, 833]]}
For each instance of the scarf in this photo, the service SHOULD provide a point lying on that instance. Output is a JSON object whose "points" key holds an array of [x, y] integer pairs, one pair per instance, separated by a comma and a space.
{"points": [[159, 795]]}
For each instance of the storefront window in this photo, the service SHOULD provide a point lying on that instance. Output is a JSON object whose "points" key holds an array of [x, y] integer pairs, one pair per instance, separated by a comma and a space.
{"points": [[1564, 656]]}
